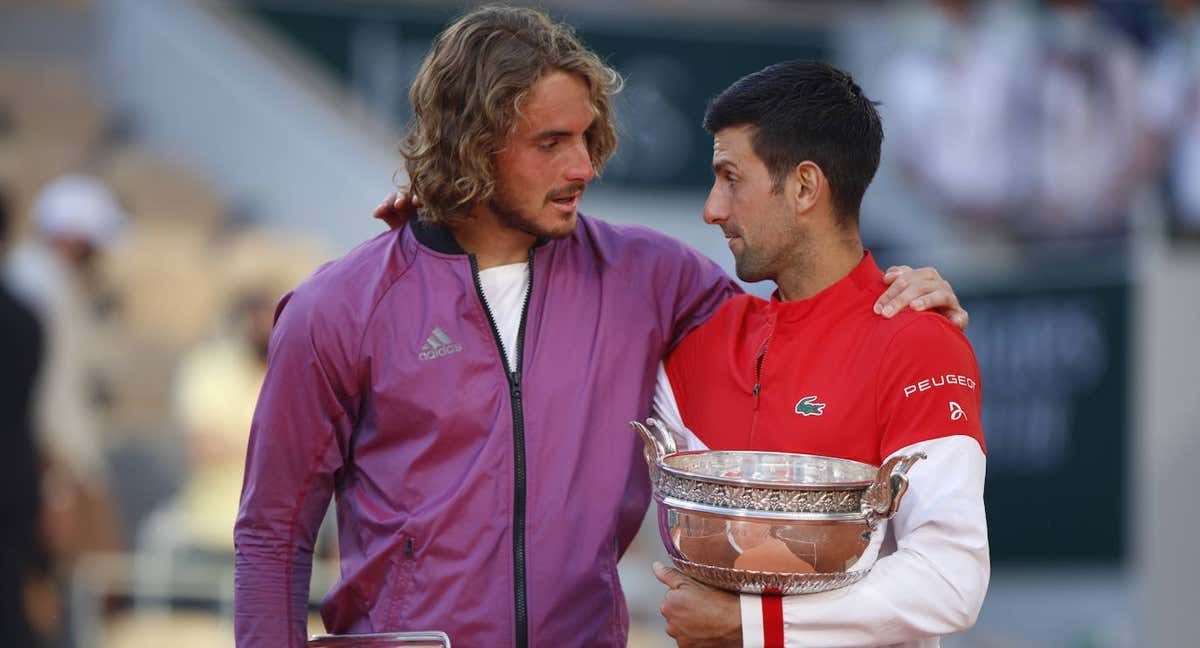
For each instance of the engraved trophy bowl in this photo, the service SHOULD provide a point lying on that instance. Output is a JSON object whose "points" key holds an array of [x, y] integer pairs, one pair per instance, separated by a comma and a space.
{"points": [[770, 522]]}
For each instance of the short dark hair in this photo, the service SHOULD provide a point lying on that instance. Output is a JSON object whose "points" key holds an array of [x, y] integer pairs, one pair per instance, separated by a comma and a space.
{"points": [[807, 110]]}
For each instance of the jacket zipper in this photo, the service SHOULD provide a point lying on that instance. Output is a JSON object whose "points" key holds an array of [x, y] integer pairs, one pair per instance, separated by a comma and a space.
{"points": [[514, 391], [758, 363]]}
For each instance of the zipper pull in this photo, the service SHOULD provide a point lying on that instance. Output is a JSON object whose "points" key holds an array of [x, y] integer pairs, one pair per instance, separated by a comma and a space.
{"points": [[514, 382], [408, 548], [756, 388]]}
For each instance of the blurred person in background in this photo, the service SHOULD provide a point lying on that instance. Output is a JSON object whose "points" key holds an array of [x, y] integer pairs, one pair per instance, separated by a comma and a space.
{"points": [[75, 219], [214, 393], [1171, 113], [795, 147], [957, 89], [1022, 122], [1085, 120], [21, 549], [216, 387], [464, 384]]}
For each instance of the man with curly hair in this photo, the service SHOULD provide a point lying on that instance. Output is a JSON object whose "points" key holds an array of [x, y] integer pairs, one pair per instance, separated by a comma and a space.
{"points": [[463, 384]]}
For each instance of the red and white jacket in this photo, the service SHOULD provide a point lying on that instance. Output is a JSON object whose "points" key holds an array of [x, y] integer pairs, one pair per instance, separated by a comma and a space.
{"points": [[827, 376]]}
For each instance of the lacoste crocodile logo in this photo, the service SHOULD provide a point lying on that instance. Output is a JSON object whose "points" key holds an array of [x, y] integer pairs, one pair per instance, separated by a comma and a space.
{"points": [[809, 406]]}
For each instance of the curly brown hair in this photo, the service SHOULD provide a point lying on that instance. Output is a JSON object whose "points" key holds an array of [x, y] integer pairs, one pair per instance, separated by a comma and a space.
{"points": [[468, 94]]}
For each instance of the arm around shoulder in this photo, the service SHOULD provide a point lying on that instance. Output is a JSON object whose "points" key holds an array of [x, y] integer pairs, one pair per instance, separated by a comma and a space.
{"points": [[686, 286]]}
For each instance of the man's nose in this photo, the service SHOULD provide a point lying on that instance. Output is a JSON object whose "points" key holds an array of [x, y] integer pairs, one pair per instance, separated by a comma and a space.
{"points": [[716, 209], [580, 168]]}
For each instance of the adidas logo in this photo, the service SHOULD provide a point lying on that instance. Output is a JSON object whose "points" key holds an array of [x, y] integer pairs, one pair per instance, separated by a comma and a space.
{"points": [[439, 344]]}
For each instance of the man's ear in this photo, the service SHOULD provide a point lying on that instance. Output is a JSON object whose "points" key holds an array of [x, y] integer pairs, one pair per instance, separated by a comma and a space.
{"points": [[807, 184]]}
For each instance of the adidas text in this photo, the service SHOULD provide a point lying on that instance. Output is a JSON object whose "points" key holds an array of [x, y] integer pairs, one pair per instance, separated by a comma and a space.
{"points": [[440, 351]]}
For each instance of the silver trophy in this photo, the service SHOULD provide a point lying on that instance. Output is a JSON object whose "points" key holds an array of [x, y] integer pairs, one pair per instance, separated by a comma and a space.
{"points": [[770, 522]]}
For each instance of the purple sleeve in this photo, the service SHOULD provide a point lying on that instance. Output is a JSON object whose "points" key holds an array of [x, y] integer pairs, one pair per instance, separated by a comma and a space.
{"points": [[297, 439], [700, 287]]}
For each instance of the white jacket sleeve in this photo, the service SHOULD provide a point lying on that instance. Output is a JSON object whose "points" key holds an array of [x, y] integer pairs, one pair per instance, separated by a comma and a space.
{"points": [[667, 410], [932, 585]]}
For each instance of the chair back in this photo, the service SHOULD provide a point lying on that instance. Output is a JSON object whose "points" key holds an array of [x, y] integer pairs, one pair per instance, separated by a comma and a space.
{"points": [[382, 640]]}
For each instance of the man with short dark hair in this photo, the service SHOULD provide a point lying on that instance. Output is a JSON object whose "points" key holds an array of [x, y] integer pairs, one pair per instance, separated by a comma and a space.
{"points": [[813, 370]]}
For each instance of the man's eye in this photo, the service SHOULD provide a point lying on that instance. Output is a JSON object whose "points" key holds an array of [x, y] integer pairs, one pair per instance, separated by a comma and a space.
{"points": [[548, 145]]}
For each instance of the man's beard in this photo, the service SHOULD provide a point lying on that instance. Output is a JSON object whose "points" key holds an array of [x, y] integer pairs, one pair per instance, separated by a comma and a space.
{"points": [[759, 264], [750, 267], [514, 217], [776, 249]]}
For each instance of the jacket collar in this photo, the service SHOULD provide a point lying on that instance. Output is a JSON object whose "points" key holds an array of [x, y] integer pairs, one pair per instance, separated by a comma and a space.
{"points": [[439, 238], [435, 237], [865, 278]]}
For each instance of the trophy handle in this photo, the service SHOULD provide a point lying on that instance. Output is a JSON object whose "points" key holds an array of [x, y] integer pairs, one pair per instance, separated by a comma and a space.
{"points": [[659, 442], [882, 499]]}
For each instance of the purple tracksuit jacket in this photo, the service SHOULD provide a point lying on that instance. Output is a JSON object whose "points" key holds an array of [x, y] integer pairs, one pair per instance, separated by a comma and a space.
{"points": [[488, 504]]}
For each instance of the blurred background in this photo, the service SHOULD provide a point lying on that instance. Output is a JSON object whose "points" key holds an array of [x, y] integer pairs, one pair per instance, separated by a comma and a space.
{"points": [[170, 167]]}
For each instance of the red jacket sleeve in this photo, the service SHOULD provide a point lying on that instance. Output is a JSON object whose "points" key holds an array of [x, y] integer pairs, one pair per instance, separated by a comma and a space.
{"points": [[927, 386], [299, 431]]}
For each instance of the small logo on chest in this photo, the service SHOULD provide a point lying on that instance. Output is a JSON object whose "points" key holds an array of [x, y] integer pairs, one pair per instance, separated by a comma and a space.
{"points": [[808, 406], [438, 345]]}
